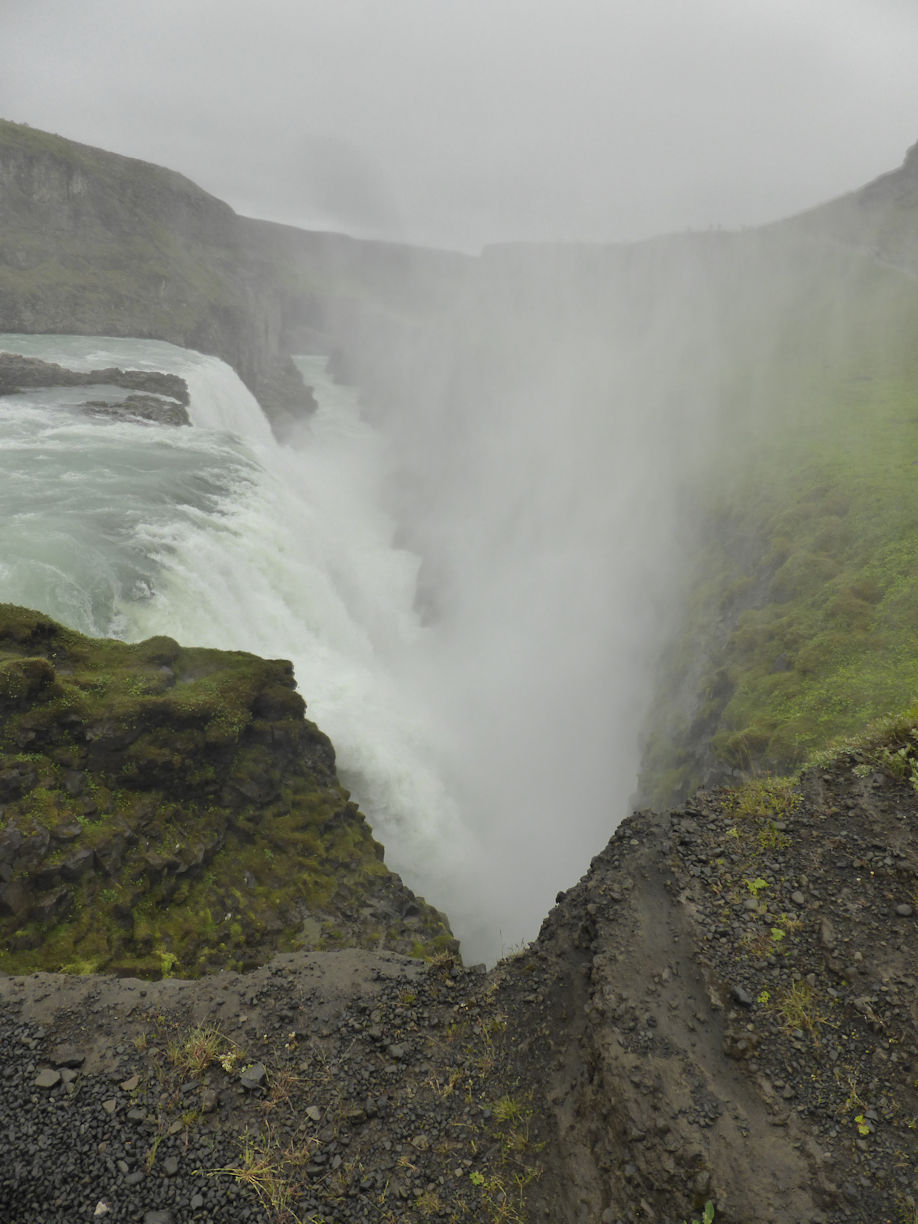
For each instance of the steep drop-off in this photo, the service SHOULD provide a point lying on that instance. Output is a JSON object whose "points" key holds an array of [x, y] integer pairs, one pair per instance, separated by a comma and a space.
{"points": [[171, 811], [722, 1011]]}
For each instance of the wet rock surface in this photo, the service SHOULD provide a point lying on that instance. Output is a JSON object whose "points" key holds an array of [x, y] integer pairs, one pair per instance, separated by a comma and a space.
{"points": [[157, 397]]}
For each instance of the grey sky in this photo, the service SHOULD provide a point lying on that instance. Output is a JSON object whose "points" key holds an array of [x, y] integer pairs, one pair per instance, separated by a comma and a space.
{"points": [[461, 122]]}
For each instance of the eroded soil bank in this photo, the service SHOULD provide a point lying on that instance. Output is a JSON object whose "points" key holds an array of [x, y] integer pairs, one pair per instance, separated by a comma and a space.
{"points": [[724, 1009]]}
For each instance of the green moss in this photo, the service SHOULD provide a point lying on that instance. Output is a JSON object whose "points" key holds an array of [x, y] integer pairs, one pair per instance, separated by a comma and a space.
{"points": [[171, 823]]}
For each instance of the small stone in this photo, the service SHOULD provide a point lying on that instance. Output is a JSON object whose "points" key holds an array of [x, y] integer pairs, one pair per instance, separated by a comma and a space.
{"points": [[702, 1182], [130, 1084], [905, 910], [170, 1166], [314, 1113], [798, 898], [740, 996], [110, 1105], [253, 1077], [67, 1056], [209, 1100], [197, 1201], [102, 1208], [158, 1217], [47, 1078]]}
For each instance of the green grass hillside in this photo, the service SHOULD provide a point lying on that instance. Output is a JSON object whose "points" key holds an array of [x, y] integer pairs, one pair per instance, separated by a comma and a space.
{"points": [[801, 622]]}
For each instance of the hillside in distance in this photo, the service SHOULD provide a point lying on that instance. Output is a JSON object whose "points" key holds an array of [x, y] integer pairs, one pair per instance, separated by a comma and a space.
{"points": [[95, 243], [801, 622]]}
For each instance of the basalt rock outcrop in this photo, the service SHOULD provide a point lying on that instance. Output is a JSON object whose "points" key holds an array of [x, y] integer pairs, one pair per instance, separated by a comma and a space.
{"points": [[153, 395], [165, 810]]}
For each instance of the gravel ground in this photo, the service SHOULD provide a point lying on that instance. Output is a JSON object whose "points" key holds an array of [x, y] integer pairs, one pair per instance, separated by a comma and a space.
{"points": [[334, 1087]]}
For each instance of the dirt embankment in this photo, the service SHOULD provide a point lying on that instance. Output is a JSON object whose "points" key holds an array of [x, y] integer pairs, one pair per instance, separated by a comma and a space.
{"points": [[734, 1009], [724, 1010]]}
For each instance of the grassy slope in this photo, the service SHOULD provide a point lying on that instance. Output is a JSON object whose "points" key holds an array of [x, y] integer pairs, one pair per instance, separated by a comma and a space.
{"points": [[803, 618], [166, 809]]}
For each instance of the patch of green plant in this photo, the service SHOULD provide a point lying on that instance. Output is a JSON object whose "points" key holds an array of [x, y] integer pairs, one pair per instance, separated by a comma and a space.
{"points": [[151, 773], [799, 622], [800, 1007], [764, 799], [274, 1171], [201, 1047]]}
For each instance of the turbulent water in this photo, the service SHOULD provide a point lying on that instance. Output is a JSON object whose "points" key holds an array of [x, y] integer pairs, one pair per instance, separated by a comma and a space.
{"points": [[487, 746], [219, 536]]}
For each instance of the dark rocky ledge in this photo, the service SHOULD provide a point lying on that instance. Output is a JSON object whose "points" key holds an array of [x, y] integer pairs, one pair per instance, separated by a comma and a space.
{"points": [[18, 373], [724, 1010], [151, 408]]}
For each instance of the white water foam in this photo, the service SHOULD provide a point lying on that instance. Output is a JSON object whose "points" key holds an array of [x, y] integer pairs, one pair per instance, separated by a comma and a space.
{"points": [[219, 536], [493, 749]]}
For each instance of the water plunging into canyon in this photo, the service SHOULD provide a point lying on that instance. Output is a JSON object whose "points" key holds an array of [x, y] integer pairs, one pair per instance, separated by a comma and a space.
{"points": [[492, 742]]}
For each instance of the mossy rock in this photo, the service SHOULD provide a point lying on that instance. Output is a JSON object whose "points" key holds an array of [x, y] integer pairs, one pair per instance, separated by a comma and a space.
{"points": [[172, 810]]}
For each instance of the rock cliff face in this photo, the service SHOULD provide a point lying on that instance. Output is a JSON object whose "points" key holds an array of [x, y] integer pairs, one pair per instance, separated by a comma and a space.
{"points": [[94, 243], [99, 244], [172, 811]]}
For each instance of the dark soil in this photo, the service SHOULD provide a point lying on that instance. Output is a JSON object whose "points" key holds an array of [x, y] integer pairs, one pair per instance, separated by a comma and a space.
{"points": [[723, 1010]]}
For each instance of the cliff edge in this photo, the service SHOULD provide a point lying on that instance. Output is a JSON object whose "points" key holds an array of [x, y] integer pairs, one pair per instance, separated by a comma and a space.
{"points": [[720, 1016], [171, 811]]}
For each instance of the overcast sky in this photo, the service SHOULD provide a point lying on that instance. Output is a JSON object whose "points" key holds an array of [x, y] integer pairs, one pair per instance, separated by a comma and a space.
{"points": [[462, 122]]}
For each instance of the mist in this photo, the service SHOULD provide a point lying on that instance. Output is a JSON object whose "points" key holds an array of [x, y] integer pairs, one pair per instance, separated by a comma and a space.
{"points": [[546, 440], [464, 125]]}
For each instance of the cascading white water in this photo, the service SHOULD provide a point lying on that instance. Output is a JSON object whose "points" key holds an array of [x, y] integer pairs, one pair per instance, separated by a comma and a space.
{"points": [[492, 749], [219, 536]]}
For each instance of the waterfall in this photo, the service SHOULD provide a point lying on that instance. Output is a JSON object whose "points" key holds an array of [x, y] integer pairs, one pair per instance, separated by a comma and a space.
{"points": [[492, 747], [219, 536]]}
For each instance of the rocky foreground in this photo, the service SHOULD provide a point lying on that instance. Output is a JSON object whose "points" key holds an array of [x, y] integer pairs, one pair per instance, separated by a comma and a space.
{"points": [[723, 1011]]}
